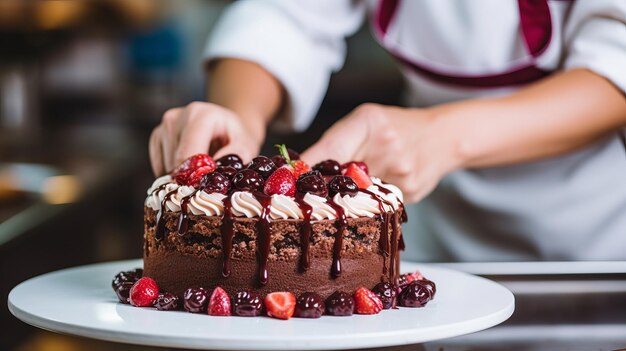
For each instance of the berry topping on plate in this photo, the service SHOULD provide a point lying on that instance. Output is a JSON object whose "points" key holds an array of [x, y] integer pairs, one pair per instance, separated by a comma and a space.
{"points": [[340, 304], [219, 303], [215, 183], [126, 276], [167, 302], [362, 180], [309, 305], [360, 164], [366, 302], [342, 185], [312, 183], [144, 292], [247, 180], [195, 300], [328, 168], [123, 291], [280, 305], [280, 182], [247, 304], [230, 160], [183, 172], [263, 166], [387, 293], [415, 294]]}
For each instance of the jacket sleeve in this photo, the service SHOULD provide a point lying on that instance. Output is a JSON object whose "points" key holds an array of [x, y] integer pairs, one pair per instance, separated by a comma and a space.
{"points": [[595, 38], [299, 42]]}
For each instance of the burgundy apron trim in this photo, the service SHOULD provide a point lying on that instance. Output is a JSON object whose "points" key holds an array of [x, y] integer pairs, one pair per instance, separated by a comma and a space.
{"points": [[536, 25], [536, 28]]}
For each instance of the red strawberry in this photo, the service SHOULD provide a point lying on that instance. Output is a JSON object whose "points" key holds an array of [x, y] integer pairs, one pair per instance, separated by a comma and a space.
{"points": [[362, 165], [282, 181], [359, 176], [280, 304], [366, 302], [185, 169], [299, 167], [195, 177], [144, 292], [219, 303], [416, 275]]}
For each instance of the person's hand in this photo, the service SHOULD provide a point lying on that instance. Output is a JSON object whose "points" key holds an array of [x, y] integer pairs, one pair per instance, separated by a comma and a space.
{"points": [[403, 146], [201, 127]]}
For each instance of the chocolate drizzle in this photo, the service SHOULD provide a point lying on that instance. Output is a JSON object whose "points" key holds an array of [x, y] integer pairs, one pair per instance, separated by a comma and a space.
{"points": [[305, 233], [340, 225], [227, 230], [389, 242], [383, 241], [263, 235], [183, 219], [160, 218]]}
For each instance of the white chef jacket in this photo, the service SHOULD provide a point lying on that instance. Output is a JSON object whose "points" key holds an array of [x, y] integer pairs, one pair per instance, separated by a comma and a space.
{"points": [[571, 207]]}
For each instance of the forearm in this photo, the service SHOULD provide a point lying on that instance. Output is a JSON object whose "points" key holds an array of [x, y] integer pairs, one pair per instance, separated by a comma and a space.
{"points": [[554, 116], [248, 90]]}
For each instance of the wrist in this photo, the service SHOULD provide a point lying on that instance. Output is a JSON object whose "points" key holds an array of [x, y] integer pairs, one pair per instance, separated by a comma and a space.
{"points": [[450, 133]]}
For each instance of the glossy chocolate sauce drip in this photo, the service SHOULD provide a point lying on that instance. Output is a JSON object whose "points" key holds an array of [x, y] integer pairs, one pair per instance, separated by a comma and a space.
{"points": [[403, 216], [227, 231], [340, 225], [183, 219], [394, 262], [263, 235], [305, 233], [160, 218], [383, 241]]}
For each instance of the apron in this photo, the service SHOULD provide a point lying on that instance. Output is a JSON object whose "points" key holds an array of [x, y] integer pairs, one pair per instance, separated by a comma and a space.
{"points": [[536, 27], [571, 207]]}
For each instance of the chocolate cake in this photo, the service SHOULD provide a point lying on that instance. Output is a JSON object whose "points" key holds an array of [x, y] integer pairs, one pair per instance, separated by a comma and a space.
{"points": [[270, 227]]}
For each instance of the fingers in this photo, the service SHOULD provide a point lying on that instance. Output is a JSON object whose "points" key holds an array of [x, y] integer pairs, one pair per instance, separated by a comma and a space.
{"points": [[346, 140], [155, 151], [197, 133], [169, 135]]}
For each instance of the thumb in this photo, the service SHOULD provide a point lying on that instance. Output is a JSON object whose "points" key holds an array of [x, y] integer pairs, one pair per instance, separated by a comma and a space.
{"points": [[342, 142]]}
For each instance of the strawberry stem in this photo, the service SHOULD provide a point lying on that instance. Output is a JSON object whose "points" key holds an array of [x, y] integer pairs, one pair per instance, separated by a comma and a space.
{"points": [[282, 149]]}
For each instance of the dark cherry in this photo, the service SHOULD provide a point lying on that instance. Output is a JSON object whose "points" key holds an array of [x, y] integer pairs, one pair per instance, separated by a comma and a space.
{"points": [[248, 180], [231, 160], [123, 292], [402, 281], [228, 171], [167, 302], [387, 293], [340, 304], [263, 166], [328, 167], [342, 185], [309, 305], [312, 183], [126, 276], [215, 183], [293, 154], [430, 285], [279, 160], [415, 294], [196, 300], [247, 304]]}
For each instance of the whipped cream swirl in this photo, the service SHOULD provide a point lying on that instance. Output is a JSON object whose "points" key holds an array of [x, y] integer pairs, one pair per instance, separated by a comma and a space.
{"points": [[244, 204]]}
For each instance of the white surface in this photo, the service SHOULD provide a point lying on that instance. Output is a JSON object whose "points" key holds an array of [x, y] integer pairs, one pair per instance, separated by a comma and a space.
{"points": [[538, 268], [80, 301]]}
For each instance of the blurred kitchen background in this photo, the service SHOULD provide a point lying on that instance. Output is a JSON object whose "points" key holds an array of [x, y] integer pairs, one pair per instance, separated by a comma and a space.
{"points": [[82, 84]]}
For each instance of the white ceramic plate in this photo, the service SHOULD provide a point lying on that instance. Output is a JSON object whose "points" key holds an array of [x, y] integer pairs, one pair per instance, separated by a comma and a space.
{"points": [[80, 301]]}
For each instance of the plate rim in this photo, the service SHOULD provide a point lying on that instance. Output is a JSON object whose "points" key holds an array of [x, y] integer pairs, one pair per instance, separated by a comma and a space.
{"points": [[334, 342]]}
